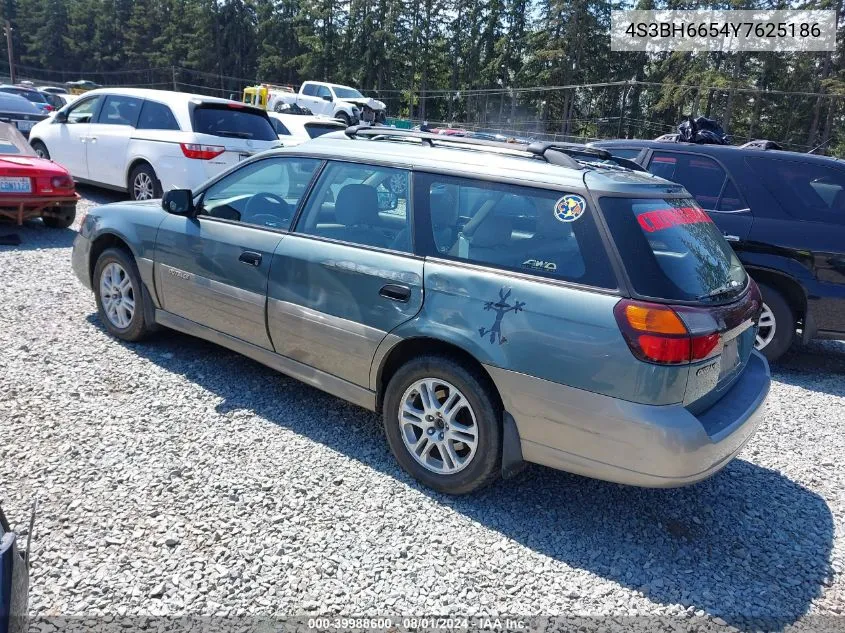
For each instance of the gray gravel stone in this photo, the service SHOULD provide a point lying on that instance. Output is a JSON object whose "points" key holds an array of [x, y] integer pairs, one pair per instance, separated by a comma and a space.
{"points": [[175, 477]]}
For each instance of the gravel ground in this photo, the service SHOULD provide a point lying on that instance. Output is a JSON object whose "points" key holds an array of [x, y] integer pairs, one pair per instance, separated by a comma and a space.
{"points": [[175, 477]]}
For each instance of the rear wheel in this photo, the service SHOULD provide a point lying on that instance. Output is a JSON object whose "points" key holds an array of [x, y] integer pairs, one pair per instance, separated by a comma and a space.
{"points": [[63, 218], [119, 295], [777, 325], [443, 424], [40, 149], [143, 183]]}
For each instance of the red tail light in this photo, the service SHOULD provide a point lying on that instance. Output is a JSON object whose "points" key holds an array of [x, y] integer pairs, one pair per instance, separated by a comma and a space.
{"points": [[61, 182], [657, 334], [201, 152], [48, 108]]}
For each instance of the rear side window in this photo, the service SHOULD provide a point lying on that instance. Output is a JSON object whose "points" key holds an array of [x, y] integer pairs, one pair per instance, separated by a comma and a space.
{"points": [[233, 122], [700, 175], [672, 250], [279, 127], [156, 116], [624, 152], [309, 90], [537, 231], [806, 191], [120, 110], [318, 129]]}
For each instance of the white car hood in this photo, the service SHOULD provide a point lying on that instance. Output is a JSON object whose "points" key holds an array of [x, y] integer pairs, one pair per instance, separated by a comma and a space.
{"points": [[373, 104]]}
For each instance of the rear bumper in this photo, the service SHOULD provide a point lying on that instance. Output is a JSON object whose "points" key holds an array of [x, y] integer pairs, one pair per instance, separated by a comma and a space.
{"points": [[625, 442], [20, 208]]}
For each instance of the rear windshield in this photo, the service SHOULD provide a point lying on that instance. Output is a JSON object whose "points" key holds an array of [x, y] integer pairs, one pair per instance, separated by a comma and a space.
{"points": [[318, 129], [672, 250], [232, 122]]}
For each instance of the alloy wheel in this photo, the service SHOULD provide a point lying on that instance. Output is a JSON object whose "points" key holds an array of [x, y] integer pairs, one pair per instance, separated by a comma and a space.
{"points": [[142, 186], [766, 328], [438, 426], [117, 295]]}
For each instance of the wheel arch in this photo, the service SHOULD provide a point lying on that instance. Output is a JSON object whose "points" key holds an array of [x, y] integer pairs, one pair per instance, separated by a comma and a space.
{"points": [[408, 348], [792, 290], [136, 162], [102, 242]]}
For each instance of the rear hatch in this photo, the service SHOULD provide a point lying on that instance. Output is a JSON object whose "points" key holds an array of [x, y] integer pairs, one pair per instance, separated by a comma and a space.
{"points": [[226, 133], [692, 303]]}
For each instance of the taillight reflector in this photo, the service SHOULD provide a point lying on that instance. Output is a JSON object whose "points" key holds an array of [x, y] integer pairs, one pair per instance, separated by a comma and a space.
{"points": [[657, 334], [201, 152]]}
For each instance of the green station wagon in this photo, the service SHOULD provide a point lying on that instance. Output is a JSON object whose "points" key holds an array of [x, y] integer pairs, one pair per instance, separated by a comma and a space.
{"points": [[497, 303]]}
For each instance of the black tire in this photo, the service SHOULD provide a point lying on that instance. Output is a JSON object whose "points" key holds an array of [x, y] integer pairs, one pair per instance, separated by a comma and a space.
{"points": [[344, 118], [40, 149], [485, 465], [65, 215], [137, 328], [784, 323], [138, 172]]}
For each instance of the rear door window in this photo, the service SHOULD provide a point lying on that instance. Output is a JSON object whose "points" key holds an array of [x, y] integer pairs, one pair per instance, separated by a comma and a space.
{"points": [[156, 116], [703, 177], [360, 204], [806, 191], [672, 250], [232, 122], [120, 110], [523, 229]]}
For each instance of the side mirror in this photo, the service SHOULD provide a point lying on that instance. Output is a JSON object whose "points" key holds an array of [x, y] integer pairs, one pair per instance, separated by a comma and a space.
{"points": [[327, 98], [178, 202], [60, 117], [387, 201]]}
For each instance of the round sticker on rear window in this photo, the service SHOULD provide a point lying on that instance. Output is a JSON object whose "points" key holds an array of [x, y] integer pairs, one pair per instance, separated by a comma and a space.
{"points": [[569, 208]]}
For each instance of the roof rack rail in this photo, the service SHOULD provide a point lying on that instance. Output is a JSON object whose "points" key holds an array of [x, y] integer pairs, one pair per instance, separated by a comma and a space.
{"points": [[538, 149]]}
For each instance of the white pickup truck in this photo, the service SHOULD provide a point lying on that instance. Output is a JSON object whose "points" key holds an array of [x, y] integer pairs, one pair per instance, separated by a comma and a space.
{"points": [[333, 100]]}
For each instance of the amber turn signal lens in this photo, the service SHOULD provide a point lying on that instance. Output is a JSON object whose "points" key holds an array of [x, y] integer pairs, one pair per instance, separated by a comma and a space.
{"points": [[654, 319]]}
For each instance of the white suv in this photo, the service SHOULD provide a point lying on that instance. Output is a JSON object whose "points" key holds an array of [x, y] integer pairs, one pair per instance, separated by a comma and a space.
{"points": [[149, 141]]}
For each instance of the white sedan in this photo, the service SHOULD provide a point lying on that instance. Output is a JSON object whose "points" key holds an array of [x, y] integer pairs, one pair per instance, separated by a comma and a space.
{"points": [[146, 142], [294, 129]]}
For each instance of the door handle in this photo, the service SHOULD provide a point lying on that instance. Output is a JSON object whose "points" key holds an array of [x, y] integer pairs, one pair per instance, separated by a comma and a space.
{"points": [[250, 257], [731, 238], [396, 292]]}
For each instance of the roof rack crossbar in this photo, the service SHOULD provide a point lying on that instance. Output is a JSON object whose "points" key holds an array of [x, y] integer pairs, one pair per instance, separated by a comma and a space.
{"points": [[558, 158]]}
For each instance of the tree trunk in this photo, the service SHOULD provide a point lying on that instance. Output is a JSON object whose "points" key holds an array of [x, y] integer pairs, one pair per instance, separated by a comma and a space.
{"points": [[828, 124], [812, 135]]}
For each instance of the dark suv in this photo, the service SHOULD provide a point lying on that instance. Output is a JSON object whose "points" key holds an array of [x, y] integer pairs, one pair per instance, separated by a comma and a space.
{"points": [[784, 214]]}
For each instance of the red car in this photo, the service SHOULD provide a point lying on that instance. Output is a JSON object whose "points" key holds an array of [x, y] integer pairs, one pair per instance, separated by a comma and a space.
{"points": [[32, 187]]}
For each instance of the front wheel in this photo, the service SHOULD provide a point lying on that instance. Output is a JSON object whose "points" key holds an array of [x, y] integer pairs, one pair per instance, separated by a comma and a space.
{"points": [[344, 118], [776, 329], [63, 217], [143, 183], [119, 295], [443, 424]]}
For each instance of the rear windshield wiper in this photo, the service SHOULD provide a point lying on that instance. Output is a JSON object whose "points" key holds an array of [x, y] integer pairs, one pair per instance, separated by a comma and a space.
{"points": [[233, 134], [728, 289]]}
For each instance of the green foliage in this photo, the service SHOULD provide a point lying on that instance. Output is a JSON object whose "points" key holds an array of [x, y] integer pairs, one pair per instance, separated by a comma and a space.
{"points": [[464, 61]]}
